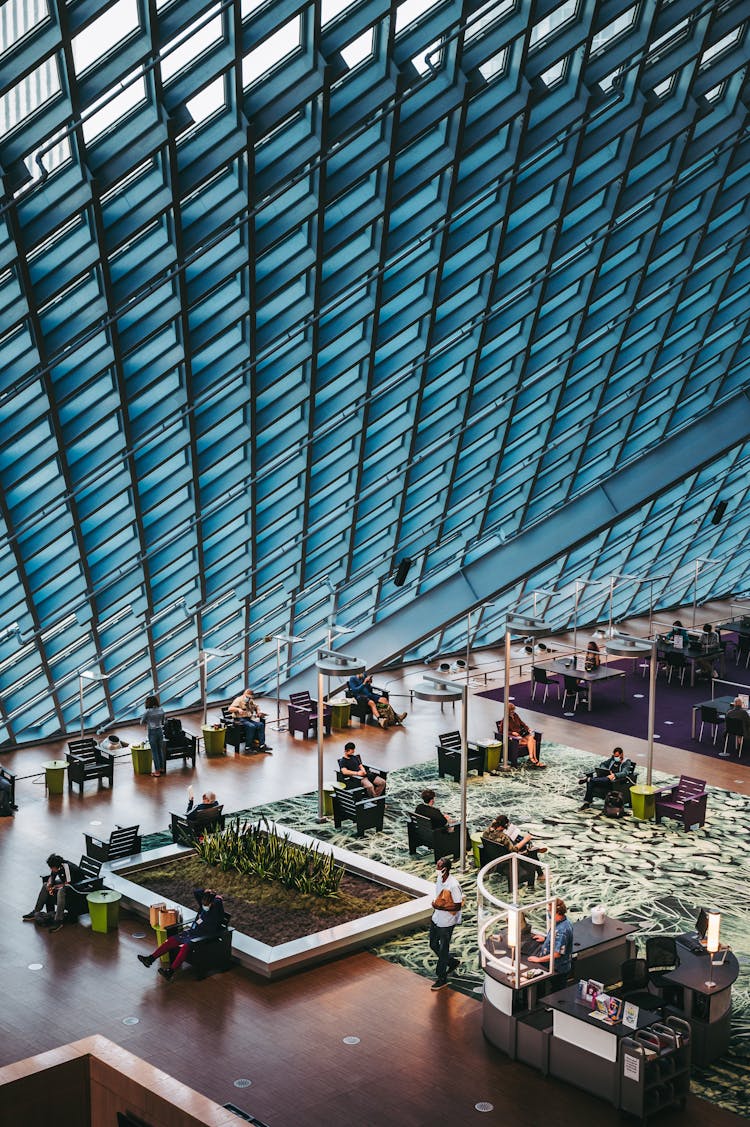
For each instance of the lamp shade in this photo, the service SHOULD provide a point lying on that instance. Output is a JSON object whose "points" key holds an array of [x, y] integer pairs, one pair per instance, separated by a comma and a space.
{"points": [[334, 664], [527, 626], [712, 931], [514, 930], [628, 647], [433, 688]]}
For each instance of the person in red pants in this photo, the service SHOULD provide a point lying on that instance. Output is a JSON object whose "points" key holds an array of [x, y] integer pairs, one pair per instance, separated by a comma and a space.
{"points": [[208, 922]]}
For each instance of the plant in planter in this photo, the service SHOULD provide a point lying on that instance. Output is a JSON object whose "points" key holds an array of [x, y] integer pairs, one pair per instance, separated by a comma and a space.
{"points": [[254, 850]]}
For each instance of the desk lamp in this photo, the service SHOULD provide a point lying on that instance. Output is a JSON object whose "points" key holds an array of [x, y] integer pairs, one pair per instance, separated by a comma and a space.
{"points": [[712, 940]]}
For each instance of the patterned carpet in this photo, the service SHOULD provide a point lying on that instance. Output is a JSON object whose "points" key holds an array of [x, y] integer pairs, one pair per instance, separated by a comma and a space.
{"points": [[655, 876]]}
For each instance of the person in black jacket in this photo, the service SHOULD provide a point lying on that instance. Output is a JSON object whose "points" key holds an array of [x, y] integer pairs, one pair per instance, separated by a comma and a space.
{"points": [[208, 922], [52, 893], [615, 769]]}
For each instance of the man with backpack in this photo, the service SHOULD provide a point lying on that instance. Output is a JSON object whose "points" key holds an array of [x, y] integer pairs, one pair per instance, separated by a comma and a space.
{"points": [[615, 769]]}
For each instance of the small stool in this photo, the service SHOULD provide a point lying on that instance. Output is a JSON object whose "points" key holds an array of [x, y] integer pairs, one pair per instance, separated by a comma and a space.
{"points": [[104, 909], [54, 775]]}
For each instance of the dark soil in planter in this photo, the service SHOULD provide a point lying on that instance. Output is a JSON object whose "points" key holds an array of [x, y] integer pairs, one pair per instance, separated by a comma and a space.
{"points": [[267, 910]]}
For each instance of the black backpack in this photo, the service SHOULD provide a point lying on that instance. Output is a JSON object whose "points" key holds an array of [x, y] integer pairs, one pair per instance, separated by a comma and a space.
{"points": [[173, 729], [614, 804]]}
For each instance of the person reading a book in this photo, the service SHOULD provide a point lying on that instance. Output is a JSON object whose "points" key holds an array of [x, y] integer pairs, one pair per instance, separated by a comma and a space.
{"points": [[563, 947], [614, 769]]}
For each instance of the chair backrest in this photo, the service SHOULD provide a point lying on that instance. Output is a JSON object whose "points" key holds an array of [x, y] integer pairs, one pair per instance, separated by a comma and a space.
{"points": [[301, 700], [90, 867], [422, 827], [690, 788], [540, 675], [709, 714], [734, 725], [634, 974], [450, 741], [661, 952], [206, 817], [570, 682], [492, 850], [123, 841], [85, 746]]}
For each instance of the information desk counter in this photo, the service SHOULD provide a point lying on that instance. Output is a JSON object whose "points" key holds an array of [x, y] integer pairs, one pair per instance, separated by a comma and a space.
{"points": [[708, 1009]]}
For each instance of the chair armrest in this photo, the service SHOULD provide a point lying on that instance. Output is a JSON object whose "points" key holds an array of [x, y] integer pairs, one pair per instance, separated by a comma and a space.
{"points": [[94, 841], [108, 756]]}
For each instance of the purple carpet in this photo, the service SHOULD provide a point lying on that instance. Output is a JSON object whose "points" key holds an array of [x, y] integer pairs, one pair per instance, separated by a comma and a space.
{"points": [[674, 704]]}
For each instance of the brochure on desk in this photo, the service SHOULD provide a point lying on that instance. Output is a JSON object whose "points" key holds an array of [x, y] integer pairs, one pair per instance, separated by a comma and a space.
{"points": [[605, 1007]]}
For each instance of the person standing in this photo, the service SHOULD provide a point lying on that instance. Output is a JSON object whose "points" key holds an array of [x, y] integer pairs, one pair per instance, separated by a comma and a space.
{"points": [[153, 721], [447, 906]]}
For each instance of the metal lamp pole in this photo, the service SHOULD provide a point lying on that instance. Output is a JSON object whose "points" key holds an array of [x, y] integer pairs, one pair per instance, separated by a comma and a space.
{"points": [[438, 689], [330, 664], [529, 628]]}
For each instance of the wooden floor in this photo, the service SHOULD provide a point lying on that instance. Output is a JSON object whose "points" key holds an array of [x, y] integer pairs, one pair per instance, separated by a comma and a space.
{"points": [[417, 1051]]}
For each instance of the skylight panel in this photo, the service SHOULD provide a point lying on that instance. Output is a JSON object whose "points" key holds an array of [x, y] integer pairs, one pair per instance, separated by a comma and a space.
{"points": [[114, 105], [487, 16], [192, 42], [208, 101], [664, 43], [100, 37], [18, 19], [429, 59], [359, 49], [28, 95], [618, 27], [664, 87], [716, 93], [272, 51], [555, 74], [553, 22], [495, 66], [410, 11], [723, 45], [329, 9]]}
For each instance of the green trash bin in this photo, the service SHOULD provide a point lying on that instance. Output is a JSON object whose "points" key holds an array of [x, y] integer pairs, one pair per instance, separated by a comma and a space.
{"points": [[214, 741], [104, 909], [494, 753], [476, 841], [141, 756], [54, 775], [643, 802]]}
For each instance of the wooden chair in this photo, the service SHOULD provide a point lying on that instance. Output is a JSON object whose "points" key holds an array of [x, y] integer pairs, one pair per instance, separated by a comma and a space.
{"points": [[449, 756], [185, 829], [208, 954], [356, 806], [7, 792], [352, 784], [87, 761], [303, 715], [123, 841], [236, 733], [443, 842], [685, 801], [182, 746], [517, 750]]}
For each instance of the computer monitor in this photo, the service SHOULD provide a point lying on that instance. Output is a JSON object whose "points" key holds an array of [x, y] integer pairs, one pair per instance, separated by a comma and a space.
{"points": [[701, 924]]}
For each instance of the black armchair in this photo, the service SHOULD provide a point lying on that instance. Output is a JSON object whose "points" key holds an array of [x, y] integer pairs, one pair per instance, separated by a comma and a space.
{"points": [[303, 715], [661, 958], [179, 744], [236, 733], [207, 954], [449, 756], [361, 707], [123, 842], [356, 806], [492, 850], [87, 761], [352, 783], [185, 829], [7, 792], [443, 842], [517, 750]]}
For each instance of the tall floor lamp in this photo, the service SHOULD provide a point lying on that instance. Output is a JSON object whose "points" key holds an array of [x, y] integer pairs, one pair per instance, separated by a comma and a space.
{"points": [[205, 656], [86, 675], [635, 648], [279, 639], [330, 664], [438, 689], [527, 627]]}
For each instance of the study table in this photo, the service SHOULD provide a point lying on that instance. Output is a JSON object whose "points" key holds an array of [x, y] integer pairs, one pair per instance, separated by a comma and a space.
{"points": [[693, 655], [590, 677], [721, 704]]}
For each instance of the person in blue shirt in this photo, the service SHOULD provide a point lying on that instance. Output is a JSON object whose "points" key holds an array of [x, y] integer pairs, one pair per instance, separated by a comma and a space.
{"points": [[377, 702], [563, 947]]}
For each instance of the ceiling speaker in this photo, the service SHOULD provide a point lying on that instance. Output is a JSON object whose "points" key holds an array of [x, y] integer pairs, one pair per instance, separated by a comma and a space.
{"points": [[402, 572]]}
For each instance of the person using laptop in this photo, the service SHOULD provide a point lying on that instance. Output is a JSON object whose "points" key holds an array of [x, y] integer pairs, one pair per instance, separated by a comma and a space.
{"points": [[710, 642], [615, 769], [562, 938], [739, 712]]}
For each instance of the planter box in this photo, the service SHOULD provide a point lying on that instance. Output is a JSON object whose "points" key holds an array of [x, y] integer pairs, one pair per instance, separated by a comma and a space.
{"points": [[298, 954]]}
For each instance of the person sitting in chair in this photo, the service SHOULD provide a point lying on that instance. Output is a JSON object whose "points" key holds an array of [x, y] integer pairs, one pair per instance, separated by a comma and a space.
{"points": [[593, 658], [563, 941], [614, 769], [502, 830], [246, 712], [739, 712], [710, 642], [207, 804], [208, 922], [356, 774], [521, 733], [427, 809], [378, 703], [51, 896]]}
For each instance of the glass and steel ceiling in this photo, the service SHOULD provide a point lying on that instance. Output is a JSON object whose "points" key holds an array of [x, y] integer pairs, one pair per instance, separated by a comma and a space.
{"points": [[292, 292]]}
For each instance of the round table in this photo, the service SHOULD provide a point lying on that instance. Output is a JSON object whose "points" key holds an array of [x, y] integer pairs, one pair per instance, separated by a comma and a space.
{"points": [[341, 711], [54, 775], [643, 802], [141, 756], [104, 909], [214, 741]]}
